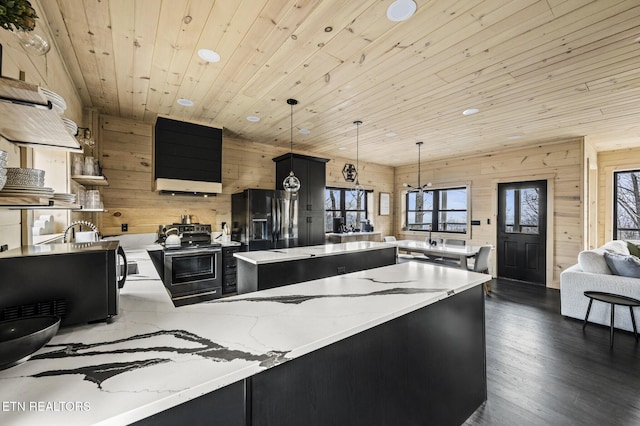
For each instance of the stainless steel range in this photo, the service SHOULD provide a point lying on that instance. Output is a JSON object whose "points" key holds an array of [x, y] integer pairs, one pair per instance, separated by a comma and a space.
{"points": [[191, 270], [191, 234]]}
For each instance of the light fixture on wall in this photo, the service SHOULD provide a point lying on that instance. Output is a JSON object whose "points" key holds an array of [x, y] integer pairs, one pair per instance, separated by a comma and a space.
{"points": [[85, 138], [357, 190], [419, 187], [32, 43], [291, 183]]}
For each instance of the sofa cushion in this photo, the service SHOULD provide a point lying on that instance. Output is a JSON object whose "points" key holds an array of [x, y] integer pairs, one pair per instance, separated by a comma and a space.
{"points": [[634, 249], [592, 261], [616, 246], [623, 265]]}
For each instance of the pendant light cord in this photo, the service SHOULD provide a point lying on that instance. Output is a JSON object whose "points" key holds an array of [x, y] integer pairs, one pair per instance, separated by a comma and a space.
{"points": [[291, 102], [357, 151], [419, 145], [291, 139]]}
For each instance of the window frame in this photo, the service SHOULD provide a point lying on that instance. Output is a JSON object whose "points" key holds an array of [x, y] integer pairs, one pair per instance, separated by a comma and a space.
{"points": [[343, 210], [616, 230], [436, 210]]}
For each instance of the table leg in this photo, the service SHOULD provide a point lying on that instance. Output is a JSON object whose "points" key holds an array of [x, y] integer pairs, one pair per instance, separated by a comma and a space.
{"points": [[613, 311], [633, 321], [586, 317], [463, 262]]}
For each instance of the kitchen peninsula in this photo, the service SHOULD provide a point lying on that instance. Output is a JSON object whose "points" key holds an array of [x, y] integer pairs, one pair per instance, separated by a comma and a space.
{"points": [[402, 344], [261, 270], [345, 237]]}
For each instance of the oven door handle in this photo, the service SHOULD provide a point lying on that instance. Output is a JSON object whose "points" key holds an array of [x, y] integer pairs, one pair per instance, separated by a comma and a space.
{"points": [[126, 267], [190, 252]]}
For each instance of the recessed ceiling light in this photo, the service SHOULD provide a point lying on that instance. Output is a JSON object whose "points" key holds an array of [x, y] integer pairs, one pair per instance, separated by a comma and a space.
{"points": [[185, 102], [253, 118], [401, 10], [343, 148], [209, 55], [391, 134], [304, 131], [514, 137], [470, 111]]}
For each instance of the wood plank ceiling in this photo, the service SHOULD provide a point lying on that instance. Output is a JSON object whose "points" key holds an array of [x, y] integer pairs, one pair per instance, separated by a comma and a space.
{"points": [[536, 70]]}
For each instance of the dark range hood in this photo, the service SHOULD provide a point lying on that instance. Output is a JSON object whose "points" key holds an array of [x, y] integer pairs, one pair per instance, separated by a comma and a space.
{"points": [[187, 158]]}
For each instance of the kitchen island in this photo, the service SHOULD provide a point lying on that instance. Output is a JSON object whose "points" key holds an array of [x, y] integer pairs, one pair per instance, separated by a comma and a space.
{"points": [[261, 270], [402, 343]]}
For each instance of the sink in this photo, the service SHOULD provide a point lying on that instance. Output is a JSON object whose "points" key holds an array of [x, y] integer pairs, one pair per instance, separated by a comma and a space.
{"points": [[20, 338]]}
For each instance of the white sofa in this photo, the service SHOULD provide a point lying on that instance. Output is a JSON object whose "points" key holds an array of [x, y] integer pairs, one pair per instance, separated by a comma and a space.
{"points": [[592, 274]]}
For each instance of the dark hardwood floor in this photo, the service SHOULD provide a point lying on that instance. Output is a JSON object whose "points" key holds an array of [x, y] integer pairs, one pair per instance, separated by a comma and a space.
{"points": [[542, 369]]}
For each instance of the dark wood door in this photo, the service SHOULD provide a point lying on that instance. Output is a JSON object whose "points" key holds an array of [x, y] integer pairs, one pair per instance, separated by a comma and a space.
{"points": [[522, 231]]}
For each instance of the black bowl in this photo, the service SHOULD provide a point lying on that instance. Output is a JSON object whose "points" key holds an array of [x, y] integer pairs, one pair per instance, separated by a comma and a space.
{"points": [[20, 338]]}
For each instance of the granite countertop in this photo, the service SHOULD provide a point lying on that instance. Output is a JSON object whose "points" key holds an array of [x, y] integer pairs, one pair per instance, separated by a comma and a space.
{"points": [[297, 253], [155, 356]]}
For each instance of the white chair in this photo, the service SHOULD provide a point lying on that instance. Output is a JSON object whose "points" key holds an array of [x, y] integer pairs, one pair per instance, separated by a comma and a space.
{"points": [[481, 264], [390, 239]]}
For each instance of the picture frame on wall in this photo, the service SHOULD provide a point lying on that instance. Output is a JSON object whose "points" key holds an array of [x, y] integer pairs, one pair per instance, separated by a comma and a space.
{"points": [[385, 202]]}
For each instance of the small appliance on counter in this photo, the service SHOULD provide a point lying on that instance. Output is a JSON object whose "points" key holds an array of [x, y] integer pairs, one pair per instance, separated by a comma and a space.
{"points": [[190, 265], [366, 226], [80, 283]]}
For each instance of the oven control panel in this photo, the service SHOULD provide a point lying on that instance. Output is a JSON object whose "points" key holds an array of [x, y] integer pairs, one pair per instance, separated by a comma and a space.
{"points": [[182, 228]]}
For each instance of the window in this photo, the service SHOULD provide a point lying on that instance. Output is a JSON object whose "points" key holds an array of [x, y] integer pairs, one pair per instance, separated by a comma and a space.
{"points": [[443, 209], [341, 202], [626, 206], [521, 211]]}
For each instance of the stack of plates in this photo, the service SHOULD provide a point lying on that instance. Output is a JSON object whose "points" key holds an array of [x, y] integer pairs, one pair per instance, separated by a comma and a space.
{"points": [[71, 126], [25, 177], [26, 191], [67, 198], [59, 105]]}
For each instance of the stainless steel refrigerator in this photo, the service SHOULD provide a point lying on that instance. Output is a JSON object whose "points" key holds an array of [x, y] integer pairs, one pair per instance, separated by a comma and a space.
{"points": [[263, 219]]}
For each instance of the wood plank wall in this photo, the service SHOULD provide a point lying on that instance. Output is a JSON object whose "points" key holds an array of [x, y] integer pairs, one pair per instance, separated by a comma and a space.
{"points": [[561, 162], [609, 162], [590, 195], [125, 154]]}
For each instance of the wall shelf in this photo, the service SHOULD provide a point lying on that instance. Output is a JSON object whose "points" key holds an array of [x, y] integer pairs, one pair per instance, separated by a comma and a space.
{"points": [[34, 203], [92, 210], [90, 180], [27, 118]]}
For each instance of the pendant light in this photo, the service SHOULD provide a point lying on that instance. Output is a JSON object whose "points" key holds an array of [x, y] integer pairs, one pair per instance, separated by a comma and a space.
{"points": [[357, 190], [418, 188], [291, 183]]}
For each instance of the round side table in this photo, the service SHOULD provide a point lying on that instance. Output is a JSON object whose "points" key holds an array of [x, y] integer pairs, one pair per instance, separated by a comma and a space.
{"points": [[613, 300]]}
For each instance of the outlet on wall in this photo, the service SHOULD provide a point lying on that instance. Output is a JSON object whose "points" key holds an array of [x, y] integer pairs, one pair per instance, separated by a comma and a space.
{"points": [[124, 227]]}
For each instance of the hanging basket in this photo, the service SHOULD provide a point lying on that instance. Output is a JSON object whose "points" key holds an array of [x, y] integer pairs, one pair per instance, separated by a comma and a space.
{"points": [[17, 15]]}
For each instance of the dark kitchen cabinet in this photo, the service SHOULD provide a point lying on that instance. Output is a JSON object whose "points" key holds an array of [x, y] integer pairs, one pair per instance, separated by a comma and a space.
{"points": [[311, 171], [229, 269]]}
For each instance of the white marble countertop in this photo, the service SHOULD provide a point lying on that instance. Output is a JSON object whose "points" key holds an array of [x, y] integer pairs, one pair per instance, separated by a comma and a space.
{"points": [[297, 253], [155, 356], [341, 234]]}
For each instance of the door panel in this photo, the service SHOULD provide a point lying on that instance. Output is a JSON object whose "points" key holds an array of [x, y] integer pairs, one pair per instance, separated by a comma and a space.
{"points": [[522, 231], [532, 256]]}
